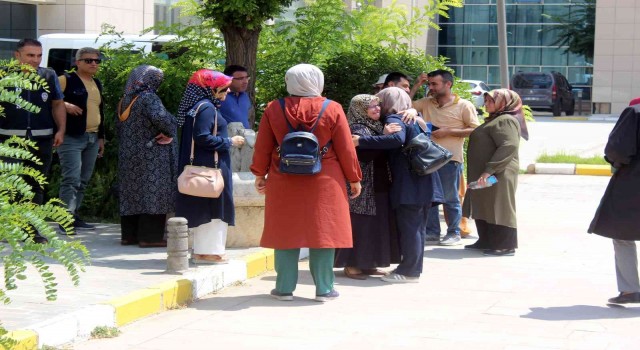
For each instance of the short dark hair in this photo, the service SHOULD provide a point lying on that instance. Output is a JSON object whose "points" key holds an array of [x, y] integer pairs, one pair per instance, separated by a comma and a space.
{"points": [[394, 77], [234, 68], [445, 74], [28, 42]]}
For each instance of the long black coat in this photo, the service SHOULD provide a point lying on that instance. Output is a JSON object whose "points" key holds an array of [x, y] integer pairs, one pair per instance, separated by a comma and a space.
{"points": [[199, 210], [617, 215]]}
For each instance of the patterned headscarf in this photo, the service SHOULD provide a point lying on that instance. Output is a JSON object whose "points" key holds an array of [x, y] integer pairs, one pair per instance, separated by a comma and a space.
{"points": [[143, 79], [357, 113], [393, 100], [201, 86], [508, 102], [305, 80]]}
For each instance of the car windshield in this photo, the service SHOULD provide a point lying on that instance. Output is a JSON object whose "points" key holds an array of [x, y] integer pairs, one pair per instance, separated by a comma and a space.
{"points": [[532, 81], [484, 87]]}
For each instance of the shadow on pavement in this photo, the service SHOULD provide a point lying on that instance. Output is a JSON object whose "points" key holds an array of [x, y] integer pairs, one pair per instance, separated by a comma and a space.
{"points": [[454, 254], [582, 312]]}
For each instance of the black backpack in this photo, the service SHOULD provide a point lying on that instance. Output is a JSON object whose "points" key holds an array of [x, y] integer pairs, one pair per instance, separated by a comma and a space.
{"points": [[424, 155], [299, 152]]}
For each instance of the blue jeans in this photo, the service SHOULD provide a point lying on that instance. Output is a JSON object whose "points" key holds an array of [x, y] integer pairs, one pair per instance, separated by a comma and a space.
{"points": [[77, 158], [410, 225], [450, 179]]}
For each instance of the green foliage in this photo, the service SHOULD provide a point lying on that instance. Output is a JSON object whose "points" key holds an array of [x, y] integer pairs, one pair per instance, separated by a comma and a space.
{"points": [[105, 332], [249, 14], [563, 157], [20, 218], [6, 343], [23, 76], [576, 31]]}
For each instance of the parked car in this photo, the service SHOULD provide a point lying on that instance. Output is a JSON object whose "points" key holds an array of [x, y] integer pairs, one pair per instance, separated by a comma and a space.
{"points": [[477, 88], [548, 90]]}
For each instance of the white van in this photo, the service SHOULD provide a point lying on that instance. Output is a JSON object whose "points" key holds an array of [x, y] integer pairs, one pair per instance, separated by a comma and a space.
{"points": [[59, 50]]}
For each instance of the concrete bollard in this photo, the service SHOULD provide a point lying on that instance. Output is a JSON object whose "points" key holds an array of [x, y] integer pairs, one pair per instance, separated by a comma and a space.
{"points": [[177, 245]]}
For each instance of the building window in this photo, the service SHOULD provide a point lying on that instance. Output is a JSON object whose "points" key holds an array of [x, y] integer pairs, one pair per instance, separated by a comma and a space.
{"points": [[17, 21]]}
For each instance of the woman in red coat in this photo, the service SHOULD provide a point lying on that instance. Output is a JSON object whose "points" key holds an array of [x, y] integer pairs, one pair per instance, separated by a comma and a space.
{"points": [[306, 210]]}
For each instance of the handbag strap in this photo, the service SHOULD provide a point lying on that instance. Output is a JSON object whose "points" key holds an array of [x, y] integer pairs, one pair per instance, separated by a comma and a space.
{"points": [[215, 132]]}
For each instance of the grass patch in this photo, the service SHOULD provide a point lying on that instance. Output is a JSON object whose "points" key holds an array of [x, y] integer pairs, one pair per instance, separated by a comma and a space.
{"points": [[570, 158], [105, 332]]}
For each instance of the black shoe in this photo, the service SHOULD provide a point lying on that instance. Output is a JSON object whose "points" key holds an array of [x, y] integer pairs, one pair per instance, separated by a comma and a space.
{"points": [[40, 239], [79, 223], [499, 252], [474, 246], [626, 298]]}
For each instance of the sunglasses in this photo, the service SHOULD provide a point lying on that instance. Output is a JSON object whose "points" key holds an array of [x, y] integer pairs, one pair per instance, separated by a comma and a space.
{"points": [[91, 60]]}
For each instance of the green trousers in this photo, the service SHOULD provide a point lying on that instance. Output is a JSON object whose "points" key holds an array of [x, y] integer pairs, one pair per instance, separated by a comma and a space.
{"points": [[320, 264]]}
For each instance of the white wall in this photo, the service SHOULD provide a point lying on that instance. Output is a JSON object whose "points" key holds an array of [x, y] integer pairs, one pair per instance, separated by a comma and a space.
{"points": [[616, 73], [87, 16]]}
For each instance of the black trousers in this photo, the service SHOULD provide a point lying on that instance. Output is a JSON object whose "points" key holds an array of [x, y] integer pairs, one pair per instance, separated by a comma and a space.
{"points": [[492, 236], [45, 154], [148, 228]]}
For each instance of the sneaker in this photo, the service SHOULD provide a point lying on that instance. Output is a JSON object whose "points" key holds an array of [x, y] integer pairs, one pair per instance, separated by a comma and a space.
{"points": [[398, 278], [327, 296], [432, 240], [499, 252], [79, 223], [281, 296], [450, 239]]}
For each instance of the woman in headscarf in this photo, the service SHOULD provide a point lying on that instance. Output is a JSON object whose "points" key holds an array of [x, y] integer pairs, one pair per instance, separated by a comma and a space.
{"points": [[208, 218], [411, 195], [493, 150], [374, 245], [306, 210], [147, 156]]}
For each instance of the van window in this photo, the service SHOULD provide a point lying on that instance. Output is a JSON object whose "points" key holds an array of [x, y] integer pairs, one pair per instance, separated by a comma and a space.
{"points": [[61, 59], [532, 81]]}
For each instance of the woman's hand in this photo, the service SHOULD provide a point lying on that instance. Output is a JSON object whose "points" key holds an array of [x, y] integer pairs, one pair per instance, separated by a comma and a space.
{"points": [[482, 180], [409, 116], [260, 184], [392, 128], [356, 188], [355, 139], [237, 141]]}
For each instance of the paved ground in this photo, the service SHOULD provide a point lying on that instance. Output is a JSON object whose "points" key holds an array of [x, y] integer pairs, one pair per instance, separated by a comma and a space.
{"points": [[551, 295], [114, 271]]}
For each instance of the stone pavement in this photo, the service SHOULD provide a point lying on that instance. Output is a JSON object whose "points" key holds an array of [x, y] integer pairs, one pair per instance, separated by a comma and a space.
{"points": [[551, 295], [115, 271]]}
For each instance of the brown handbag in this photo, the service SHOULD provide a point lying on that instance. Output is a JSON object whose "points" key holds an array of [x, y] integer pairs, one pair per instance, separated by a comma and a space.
{"points": [[201, 181]]}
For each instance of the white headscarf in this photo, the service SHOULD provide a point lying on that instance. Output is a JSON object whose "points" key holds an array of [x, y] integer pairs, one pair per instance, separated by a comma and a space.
{"points": [[304, 80]]}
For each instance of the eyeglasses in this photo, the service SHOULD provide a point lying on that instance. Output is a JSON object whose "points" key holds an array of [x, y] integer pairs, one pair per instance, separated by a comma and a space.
{"points": [[373, 106], [242, 78], [91, 60]]}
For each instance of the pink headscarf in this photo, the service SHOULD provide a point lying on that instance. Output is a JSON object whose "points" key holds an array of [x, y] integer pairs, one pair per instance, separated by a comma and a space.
{"points": [[635, 101]]}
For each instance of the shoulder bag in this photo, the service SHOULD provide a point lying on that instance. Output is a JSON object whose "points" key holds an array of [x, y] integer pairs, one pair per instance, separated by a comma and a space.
{"points": [[201, 181]]}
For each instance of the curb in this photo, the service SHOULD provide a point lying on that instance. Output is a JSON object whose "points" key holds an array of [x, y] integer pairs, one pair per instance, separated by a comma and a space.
{"points": [[191, 286], [569, 169]]}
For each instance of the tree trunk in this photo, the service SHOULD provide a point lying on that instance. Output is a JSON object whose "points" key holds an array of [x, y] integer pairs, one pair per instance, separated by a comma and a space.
{"points": [[242, 47]]}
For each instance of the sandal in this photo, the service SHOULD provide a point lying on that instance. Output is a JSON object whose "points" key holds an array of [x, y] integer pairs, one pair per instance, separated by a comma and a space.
{"points": [[209, 259], [355, 276]]}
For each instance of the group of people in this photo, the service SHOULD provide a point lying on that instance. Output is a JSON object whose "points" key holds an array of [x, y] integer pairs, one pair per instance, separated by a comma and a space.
{"points": [[365, 174], [364, 211]]}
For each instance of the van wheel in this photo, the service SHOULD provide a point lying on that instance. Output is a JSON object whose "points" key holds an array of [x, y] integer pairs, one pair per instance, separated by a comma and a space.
{"points": [[556, 109], [570, 110]]}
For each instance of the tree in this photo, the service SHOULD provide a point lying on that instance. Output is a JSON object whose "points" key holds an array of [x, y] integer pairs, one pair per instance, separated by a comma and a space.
{"points": [[576, 31], [241, 22], [19, 217]]}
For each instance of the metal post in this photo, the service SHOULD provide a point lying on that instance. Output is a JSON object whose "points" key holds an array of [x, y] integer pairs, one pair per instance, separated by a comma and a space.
{"points": [[502, 44], [177, 245]]}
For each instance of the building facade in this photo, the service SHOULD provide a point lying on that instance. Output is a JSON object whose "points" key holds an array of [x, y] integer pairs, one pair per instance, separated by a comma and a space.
{"points": [[616, 76]]}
